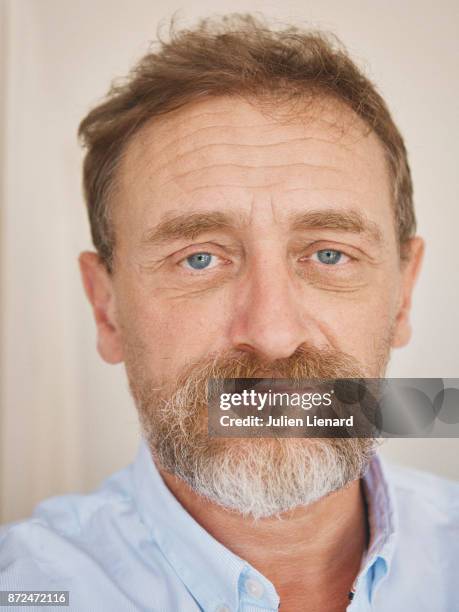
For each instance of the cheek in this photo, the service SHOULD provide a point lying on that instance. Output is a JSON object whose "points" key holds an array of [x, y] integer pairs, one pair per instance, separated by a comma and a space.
{"points": [[171, 332], [360, 324]]}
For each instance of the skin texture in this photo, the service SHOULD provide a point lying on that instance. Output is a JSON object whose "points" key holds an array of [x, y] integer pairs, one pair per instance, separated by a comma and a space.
{"points": [[265, 291]]}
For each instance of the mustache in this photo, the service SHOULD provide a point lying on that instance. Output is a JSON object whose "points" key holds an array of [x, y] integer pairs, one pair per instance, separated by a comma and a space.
{"points": [[176, 410], [307, 362]]}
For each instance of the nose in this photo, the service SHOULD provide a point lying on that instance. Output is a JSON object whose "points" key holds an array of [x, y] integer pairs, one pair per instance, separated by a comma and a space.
{"points": [[269, 316]]}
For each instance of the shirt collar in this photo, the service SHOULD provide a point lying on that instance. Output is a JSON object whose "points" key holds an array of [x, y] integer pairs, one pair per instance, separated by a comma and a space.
{"points": [[210, 571], [383, 527]]}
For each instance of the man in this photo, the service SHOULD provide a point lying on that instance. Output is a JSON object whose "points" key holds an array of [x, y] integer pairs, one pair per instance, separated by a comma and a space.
{"points": [[250, 202]]}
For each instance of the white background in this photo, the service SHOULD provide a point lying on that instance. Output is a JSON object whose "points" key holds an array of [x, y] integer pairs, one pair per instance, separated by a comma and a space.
{"points": [[66, 418]]}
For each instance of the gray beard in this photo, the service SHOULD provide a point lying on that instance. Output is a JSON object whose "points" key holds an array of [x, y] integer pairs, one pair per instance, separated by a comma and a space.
{"points": [[254, 477]]}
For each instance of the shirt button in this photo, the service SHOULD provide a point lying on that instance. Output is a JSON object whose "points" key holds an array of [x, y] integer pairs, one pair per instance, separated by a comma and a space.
{"points": [[222, 609], [254, 588]]}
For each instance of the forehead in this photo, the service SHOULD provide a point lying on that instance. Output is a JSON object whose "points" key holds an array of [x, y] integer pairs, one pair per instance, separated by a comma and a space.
{"points": [[229, 151]]}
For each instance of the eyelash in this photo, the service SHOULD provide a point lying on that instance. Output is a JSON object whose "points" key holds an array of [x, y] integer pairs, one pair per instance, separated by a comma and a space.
{"points": [[343, 254], [194, 270]]}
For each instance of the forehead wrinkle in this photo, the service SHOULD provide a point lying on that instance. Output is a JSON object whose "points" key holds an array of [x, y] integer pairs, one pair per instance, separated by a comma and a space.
{"points": [[335, 118], [250, 147], [142, 140], [133, 165], [321, 189], [192, 133], [142, 166], [279, 187], [204, 169], [153, 134]]}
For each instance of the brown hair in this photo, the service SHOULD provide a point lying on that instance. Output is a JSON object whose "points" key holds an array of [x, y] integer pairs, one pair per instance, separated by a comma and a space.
{"points": [[233, 55]]}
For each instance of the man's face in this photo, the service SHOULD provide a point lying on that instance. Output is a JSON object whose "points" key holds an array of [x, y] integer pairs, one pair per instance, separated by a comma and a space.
{"points": [[225, 221], [251, 234]]}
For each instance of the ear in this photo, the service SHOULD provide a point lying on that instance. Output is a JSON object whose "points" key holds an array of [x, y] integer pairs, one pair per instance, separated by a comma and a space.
{"points": [[98, 285], [412, 255]]}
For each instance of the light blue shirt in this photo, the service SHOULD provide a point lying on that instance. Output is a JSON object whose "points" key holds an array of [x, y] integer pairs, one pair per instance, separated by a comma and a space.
{"points": [[131, 546]]}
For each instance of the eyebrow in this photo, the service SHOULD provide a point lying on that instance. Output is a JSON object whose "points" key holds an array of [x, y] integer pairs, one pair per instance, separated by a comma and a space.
{"points": [[352, 221], [191, 225]]}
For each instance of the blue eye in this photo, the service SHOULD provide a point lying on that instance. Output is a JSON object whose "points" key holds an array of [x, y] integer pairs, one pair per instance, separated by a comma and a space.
{"points": [[199, 261], [329, 256]]}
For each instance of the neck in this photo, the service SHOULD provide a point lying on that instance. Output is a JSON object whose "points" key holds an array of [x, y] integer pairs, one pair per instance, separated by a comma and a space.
{"points": [[312, 555]]}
